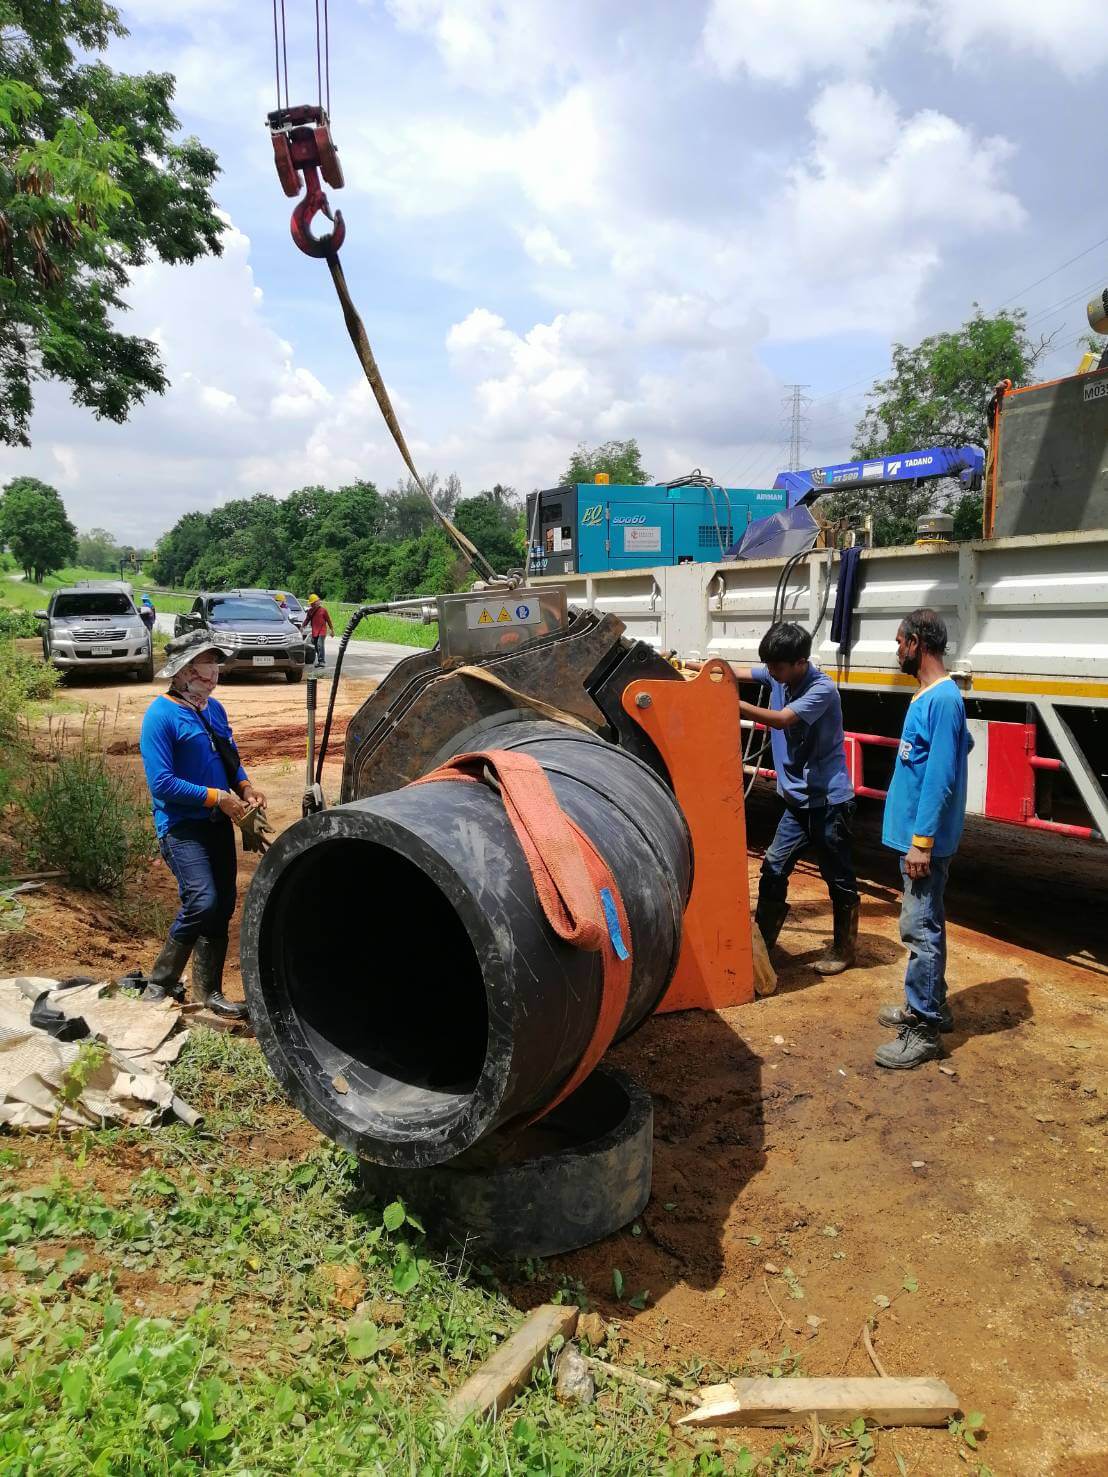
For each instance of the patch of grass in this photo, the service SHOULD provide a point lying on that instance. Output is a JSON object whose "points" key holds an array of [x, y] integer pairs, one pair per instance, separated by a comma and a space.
{"points": [[226, 1078], [271, 1374], [172, 604], [382, 627], [211, 1315], [83, 817], [26, 596]]}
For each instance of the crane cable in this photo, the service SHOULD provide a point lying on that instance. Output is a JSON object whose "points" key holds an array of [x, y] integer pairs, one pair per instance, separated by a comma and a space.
{"points": [[354, 325], [358, 337]]}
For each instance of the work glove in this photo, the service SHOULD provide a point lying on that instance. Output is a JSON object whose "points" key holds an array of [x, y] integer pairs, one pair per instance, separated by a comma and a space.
{"points": [[257, 833]]}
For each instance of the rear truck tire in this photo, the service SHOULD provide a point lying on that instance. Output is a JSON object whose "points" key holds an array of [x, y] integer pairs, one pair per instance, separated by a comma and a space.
{"points": [[578, 1175], [294, 674]]}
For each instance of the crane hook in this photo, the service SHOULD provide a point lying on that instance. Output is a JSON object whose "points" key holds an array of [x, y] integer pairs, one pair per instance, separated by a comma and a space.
{"points": [[302, 145], [315, 203]]}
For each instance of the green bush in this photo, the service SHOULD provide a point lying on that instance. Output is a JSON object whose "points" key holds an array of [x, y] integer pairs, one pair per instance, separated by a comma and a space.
{"points": [[23, 679], [14, 622], [81, 817]]}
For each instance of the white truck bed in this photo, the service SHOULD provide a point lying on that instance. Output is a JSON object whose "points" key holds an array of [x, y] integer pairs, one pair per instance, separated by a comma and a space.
{"points": [[1028, 617]]}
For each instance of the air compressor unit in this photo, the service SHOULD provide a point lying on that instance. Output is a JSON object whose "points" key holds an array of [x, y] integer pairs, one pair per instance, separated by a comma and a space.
{"points": [[597, 526]]}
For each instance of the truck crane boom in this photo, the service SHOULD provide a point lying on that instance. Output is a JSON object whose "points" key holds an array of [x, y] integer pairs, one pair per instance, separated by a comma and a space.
{"points": [[964, 462]]}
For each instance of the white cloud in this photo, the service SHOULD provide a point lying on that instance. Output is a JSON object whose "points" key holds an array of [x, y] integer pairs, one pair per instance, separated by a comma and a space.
{"points": [[1073, 34], [434, 165], [497, 46], [544, 248], [858, 218], [784, 40], [240, 416]]}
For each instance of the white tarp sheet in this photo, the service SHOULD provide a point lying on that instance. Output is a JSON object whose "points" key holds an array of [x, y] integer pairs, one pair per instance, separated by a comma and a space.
{"points": [[127, 1087]]}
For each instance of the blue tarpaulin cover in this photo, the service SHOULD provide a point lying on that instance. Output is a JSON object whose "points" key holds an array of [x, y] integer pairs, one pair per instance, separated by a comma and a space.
{"points": [[777, 537]]}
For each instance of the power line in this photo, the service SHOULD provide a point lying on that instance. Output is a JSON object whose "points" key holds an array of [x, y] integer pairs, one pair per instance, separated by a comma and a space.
{"points": [[1047, 276]]}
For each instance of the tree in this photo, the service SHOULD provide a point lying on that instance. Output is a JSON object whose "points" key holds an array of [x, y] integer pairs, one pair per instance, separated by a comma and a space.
{"points": [[936, 395], [92, 184], [34, 526], [98, 549], [494, 522], [621, 460]]}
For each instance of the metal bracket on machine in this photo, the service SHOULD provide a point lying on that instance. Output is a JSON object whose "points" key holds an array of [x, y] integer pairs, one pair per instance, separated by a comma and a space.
{"points": [[422, 706]]}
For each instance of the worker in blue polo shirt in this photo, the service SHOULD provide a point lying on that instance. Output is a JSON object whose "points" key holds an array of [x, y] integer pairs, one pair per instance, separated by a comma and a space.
{"points": [[199, 788], [805, 721], [924, 814]]}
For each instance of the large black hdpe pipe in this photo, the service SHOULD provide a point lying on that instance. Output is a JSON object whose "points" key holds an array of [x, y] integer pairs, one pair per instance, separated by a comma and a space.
{"points": [[402, 980]]}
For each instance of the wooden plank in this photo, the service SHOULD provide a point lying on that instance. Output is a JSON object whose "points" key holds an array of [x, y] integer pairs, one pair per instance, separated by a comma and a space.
{"points": [[500, 1379], [766, 1402]]}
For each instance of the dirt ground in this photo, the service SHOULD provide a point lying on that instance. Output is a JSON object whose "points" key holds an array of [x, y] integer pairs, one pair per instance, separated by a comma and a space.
{"points": [[797, 1187]]}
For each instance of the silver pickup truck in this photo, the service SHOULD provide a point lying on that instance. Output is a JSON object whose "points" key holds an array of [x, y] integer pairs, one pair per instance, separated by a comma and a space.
{"points": [[93, 628]]}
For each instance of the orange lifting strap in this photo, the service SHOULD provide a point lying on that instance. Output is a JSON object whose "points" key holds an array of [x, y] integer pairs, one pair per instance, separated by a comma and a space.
{"points": [[570, 877]]}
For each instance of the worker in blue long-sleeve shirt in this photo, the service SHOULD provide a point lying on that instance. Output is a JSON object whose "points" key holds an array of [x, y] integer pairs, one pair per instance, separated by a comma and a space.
{"points": [[924, 813], [198, 787]]}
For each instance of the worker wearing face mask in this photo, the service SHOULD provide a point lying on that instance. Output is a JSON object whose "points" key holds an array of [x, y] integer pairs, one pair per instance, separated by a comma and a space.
{"points": [[199, 788]]}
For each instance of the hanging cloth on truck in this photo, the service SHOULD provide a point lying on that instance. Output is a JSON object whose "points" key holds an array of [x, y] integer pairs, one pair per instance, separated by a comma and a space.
{"points": [[850, 582]]}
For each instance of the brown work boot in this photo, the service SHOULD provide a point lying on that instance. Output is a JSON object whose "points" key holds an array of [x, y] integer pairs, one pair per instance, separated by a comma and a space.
{"points": [[840, 955]]}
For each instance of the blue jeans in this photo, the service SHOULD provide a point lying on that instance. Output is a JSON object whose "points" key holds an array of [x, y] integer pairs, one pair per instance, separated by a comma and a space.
{"points": [[320, 644], [201, 855], [923, 930], [828, 829]]}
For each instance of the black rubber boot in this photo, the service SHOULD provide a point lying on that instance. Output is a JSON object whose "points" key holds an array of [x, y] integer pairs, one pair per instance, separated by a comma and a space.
{"points": [[840, 955], [207, 979], [165, 978], [903, 1015], [770, 918]]}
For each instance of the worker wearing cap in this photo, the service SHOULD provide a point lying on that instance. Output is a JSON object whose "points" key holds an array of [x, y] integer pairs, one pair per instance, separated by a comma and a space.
{"points": [[805, 723], [925, 811], [147, 614], [318, 624], [199, 788]]}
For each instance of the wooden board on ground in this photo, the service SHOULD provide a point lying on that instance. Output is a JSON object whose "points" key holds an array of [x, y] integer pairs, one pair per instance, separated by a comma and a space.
{"points": [[767, 1402], [500, 1379]]}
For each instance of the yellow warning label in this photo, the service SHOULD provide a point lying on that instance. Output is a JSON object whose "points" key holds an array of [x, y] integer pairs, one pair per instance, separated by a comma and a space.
{"points": [[484, 619], [504, 615]]}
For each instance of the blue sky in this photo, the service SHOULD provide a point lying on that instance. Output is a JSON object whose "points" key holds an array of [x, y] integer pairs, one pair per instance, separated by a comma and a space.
{"points": [[572, 221]]}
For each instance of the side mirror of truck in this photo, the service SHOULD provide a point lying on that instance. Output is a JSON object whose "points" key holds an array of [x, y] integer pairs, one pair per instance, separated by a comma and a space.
{"points": [[41, 615]]}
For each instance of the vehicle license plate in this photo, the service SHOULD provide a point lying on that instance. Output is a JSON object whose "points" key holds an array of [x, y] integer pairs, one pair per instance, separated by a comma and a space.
{"points": [[263, 661], [101, 651]]}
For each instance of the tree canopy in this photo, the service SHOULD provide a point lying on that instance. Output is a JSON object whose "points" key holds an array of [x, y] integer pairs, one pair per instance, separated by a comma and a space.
{"points": [[34, 525], [346, 543], [93, 183], [622, 461], [937, 392], [936, 395]]}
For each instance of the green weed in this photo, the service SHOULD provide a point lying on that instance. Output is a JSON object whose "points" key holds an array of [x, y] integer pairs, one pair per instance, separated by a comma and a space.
{"points": [[23, 680], [18, 622], [82, 817]]}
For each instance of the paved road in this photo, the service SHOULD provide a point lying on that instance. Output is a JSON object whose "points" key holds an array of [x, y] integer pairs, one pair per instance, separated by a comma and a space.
{"points": [[366, 659]]}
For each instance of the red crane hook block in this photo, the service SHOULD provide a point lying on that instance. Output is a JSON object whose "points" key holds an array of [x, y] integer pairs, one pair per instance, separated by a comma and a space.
{"points": [[302, 146]]}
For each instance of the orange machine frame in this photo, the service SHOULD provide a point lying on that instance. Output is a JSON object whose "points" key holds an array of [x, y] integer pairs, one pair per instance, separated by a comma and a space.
{"points": [[695, 727]]}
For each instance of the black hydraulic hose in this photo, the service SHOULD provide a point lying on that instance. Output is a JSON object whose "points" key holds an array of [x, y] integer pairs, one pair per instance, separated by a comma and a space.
{"points": [[355, 620], [749, 758]]}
